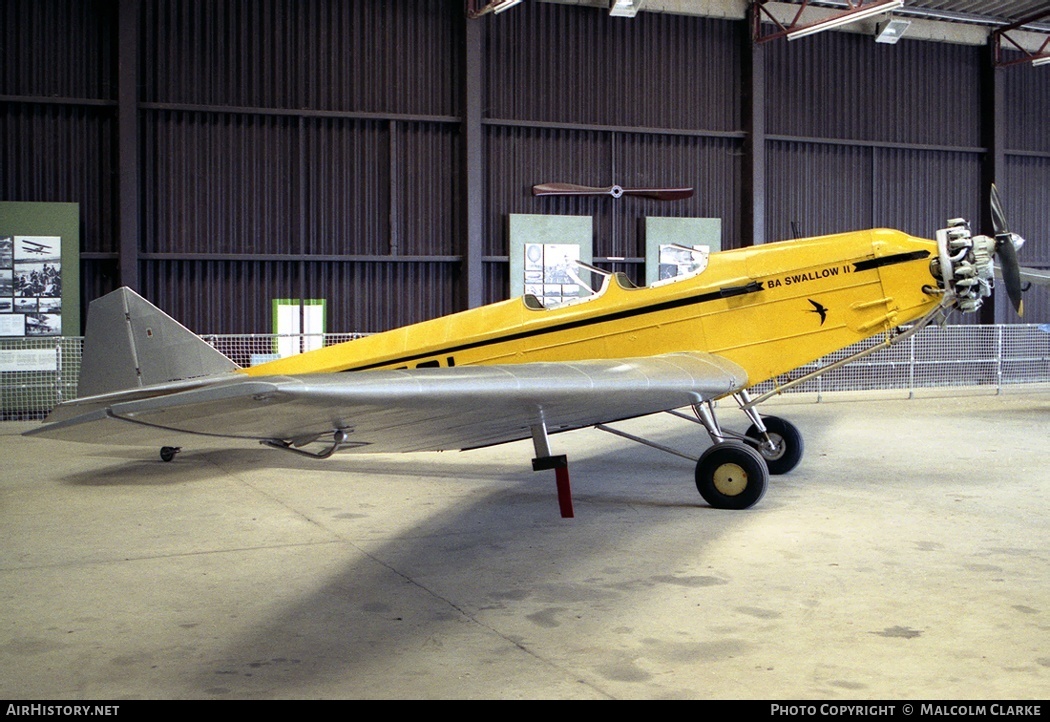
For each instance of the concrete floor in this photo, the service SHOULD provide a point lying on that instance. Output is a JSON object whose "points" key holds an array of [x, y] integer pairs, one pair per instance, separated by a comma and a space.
{"points": [[908, 557]]}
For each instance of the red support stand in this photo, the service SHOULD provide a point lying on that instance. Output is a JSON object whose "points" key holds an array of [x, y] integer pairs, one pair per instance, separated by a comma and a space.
{"points": [[564, 492], [560, 464]]}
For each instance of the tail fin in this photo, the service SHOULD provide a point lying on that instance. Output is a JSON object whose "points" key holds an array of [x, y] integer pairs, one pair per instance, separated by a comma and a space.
{"points": [[131, 343]]}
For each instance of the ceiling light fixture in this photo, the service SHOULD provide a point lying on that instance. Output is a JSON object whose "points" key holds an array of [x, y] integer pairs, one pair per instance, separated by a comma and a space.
{"points": [[1041, 61], [505, 5], [837, 21], [495, 7], [625, 8], [890, 31]]}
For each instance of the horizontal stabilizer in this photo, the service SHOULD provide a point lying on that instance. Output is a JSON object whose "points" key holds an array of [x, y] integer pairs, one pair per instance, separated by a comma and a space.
{"points": [[131, 343]]}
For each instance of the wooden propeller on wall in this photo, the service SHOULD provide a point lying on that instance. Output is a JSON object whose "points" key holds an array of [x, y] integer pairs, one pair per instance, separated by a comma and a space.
{"points": [[571, 189]]}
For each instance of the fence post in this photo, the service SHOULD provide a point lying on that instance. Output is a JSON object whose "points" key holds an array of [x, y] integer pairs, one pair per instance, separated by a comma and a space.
{"points": [[998, 359], [58, 371], [911, 364]]}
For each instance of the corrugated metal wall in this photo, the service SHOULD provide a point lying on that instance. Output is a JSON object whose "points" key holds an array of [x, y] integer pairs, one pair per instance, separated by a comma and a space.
{"points": [[572, 95], [553, 64], [1027, 177], [310, 148], [316, 148], [388, 57], [879, 135], [843, 85], [59, 49], [58, 119]]}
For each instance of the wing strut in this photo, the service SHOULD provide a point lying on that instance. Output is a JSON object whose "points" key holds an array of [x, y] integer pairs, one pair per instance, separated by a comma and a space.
{"points": [[546, 460]]}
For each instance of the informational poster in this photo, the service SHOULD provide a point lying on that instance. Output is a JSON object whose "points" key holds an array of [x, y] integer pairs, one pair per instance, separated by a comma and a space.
{"points": [[545, 256], [31, 285], [679, 247], [551, 272], [676, 260], [39, 269]]}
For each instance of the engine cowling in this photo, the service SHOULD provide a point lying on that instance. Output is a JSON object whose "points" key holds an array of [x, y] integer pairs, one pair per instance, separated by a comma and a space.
{"points": [[963, 266]]}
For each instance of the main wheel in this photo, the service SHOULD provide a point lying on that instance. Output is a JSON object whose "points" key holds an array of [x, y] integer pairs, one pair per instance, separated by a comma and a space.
{"points": [[731, 475], [787, 442], [167, 453]]}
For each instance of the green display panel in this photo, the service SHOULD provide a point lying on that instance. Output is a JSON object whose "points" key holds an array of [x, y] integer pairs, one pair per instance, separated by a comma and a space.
{"points": [[39, 269], [666, 241], [543, 251]]}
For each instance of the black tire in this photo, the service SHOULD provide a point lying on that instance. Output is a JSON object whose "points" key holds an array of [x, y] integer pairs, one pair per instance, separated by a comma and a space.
{"points": [[731, 475], [786, 436], [167, 453]]}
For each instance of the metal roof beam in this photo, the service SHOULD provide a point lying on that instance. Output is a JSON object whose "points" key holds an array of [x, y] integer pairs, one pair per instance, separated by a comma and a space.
{"points": [[793, 29], [1036, 57]]}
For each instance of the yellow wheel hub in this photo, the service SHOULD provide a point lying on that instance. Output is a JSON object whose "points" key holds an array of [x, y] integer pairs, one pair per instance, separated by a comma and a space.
{"points": [[730, 479]]}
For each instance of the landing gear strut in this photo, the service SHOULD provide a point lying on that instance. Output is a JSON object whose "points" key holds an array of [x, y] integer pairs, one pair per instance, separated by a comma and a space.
{"points": [[734, 473], [780, 445], [727, 475]]}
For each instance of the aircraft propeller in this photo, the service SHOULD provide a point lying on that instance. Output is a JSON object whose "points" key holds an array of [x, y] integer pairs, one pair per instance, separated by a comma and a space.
{"points": [[1006, 245], [572, 189]]}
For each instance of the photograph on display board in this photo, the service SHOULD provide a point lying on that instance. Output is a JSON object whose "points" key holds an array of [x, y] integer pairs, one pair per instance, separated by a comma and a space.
{"points": [[7, 252], [559, 263], [7, 275], [38, 249], [534, 269], [38, 279], [678, 260], [43, 324], [559, 280], [31, 285]]}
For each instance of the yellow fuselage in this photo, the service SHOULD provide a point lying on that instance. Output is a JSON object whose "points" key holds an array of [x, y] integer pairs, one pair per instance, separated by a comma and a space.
{"points": [[768, 308]]}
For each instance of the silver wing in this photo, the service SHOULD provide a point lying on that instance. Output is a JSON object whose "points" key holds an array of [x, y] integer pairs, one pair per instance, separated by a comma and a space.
{"points": [[1039, 276], [147, 380], [395, 411]]}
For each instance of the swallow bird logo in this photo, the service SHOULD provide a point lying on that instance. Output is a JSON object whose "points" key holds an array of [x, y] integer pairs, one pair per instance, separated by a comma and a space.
{"points": [[819, 309]]}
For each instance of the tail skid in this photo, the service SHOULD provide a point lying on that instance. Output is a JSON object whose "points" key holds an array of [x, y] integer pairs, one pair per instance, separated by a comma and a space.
{"points": [[130, 343]]}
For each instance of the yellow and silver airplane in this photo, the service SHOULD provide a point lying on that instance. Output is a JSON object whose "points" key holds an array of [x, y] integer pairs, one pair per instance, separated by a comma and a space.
{"points": [[517, 370]]}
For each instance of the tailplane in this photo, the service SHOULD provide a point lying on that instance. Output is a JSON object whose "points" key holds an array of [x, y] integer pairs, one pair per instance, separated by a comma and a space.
{"points": [[130, 343]]}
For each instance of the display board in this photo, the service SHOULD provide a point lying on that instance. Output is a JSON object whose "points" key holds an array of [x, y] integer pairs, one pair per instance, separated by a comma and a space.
{"points": [[543, 254], [668, 242], [39, 269]]}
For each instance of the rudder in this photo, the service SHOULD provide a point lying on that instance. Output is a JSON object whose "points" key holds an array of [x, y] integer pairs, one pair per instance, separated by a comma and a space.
{"points": [[131, 343]]}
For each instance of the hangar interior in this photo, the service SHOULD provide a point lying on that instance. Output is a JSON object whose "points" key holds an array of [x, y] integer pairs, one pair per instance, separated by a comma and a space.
{"points": [[370, 153]]}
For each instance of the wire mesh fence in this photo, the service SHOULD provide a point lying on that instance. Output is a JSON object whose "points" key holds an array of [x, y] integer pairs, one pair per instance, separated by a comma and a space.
{"points": [[38, 373], [253, 349], [938, 357]]}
